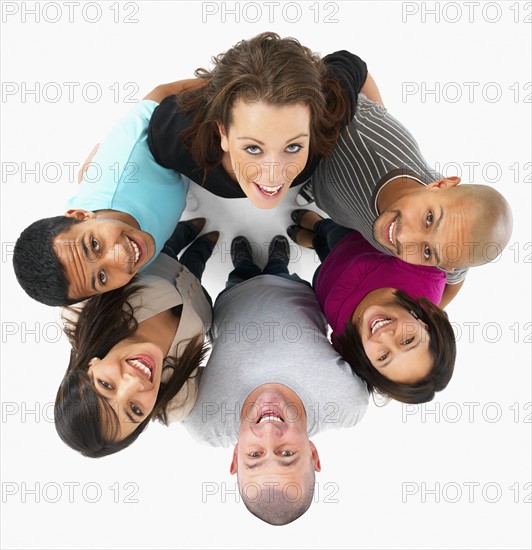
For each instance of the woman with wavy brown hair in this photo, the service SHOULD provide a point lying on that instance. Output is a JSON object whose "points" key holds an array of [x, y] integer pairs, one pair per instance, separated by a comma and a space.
{"points": [[137, 350], [259, 122]]}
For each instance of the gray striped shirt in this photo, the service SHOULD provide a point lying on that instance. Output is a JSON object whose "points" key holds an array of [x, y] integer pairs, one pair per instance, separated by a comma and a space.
{"points": [[371, 151]]}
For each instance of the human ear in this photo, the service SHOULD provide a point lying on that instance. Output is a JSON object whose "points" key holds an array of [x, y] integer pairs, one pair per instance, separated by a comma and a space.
{"points": [[444, 183], [234, 463], [224, 144], [315, 457], [92, 362], [80, 214]]}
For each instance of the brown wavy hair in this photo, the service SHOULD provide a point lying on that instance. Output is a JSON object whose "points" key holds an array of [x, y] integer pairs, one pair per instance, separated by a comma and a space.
{"points": [[278, 71], [104, 321], [442, 348]]}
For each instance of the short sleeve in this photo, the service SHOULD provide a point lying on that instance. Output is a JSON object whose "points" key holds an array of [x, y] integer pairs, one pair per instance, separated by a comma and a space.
{"points": [[164, 138], [350, 70], [456, 276]]}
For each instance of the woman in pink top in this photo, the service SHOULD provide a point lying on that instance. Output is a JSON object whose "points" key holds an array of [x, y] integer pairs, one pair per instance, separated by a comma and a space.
{"points": [[383, 311]]}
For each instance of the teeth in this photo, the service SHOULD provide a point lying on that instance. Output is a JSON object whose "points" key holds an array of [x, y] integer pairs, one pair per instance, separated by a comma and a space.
{"points": [[390, 232], [140, 366], [270, 418], [270, 190], [377, 324], [135, 249]]}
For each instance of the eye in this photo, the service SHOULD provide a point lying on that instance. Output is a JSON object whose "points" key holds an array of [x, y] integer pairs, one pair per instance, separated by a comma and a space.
{"points": [[254, 454], [383, 357], [408, 341], [427, 254], [294, 148], [102, 277], [253, 149], [104, 384], [136, 410], [95, 244], [287, 453], [430, 218]]}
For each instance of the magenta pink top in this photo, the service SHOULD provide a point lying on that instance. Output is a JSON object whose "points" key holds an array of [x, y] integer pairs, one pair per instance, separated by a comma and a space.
{"points": [[354, 268]]}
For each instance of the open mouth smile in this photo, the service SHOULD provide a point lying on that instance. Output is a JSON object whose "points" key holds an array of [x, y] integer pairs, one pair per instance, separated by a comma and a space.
{"points": [[144, 364], [269, 192]]}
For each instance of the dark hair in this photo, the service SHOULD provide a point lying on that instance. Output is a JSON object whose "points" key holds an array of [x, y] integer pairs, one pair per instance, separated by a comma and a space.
{"points": [[273, 506], [278, 71], [442, 348], [37, 267], [104, 321]]}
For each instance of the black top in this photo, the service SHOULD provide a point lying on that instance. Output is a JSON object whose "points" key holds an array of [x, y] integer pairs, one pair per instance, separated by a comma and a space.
{"points": [[168, 121]]}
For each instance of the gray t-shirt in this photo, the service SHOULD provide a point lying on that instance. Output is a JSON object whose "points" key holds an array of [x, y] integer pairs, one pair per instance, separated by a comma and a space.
{"points": [[371, 151], [272, 330]]}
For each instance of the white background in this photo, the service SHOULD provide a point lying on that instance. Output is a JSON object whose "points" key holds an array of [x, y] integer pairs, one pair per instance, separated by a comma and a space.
{"points": [[376, 481]]}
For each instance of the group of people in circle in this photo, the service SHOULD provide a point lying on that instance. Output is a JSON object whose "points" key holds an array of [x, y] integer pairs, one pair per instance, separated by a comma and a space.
{"points": [[149, 342]]}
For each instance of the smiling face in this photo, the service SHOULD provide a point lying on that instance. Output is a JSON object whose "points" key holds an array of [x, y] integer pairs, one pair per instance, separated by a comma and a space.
{"points": [[430, 226], [266, 147], [101, 254], [396, 342], [273, 447], [128, 377]]}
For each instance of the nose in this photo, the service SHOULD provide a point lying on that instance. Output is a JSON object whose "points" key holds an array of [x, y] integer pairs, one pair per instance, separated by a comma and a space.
{"points": [[117, 261], [130, 384], [271, 172], [387, 335]]}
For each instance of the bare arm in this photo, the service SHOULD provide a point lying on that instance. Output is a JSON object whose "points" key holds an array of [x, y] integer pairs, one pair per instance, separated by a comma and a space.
{"points": [[85, 165], [172, 88], [371, 91], [450, 292]]}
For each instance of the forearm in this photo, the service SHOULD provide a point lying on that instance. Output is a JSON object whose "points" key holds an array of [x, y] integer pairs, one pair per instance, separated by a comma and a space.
{"points": [[85, 165], [172, 88], [371, 91], [449, 293]]}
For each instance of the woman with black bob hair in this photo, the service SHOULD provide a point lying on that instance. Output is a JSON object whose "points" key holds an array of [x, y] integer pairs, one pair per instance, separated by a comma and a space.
{"points": [[137, 350], [382, 311]]}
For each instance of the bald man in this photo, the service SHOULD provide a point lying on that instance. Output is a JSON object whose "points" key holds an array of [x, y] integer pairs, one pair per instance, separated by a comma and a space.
{"points": [[377, 182]]}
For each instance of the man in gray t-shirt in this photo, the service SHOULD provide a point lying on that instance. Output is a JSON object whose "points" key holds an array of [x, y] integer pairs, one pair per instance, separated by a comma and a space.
{"points": [[273, 379], [376, 181]]}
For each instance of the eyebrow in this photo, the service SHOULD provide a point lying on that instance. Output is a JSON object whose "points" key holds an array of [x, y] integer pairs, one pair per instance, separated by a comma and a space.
{"points": [[262, 143], [127, 413], [409, 349], [282, 463], [436, 253], [86, 255]]}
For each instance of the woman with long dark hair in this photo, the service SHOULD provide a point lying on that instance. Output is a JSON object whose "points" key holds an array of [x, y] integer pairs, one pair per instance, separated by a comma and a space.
{"points": [[137, 350]]}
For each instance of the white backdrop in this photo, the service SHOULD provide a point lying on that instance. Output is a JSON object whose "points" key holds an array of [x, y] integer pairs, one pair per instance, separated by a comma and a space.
{"points": [[455, 473]]}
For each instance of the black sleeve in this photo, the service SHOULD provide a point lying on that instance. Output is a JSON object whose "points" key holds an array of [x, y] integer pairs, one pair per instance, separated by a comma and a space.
{"points": [[164, 139], [166, 124], [350, 70]]}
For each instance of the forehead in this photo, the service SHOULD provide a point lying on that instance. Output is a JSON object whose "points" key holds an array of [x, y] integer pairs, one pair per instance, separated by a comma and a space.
{"points": [[68, 249], [261, 116]]}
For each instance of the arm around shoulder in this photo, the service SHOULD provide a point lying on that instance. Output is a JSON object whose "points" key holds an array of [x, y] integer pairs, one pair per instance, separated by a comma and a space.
{"points": [[450, 292], [172, 88]]}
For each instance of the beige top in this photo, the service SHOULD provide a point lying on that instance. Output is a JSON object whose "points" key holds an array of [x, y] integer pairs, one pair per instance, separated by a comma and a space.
{"points": [[167, 284]]}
